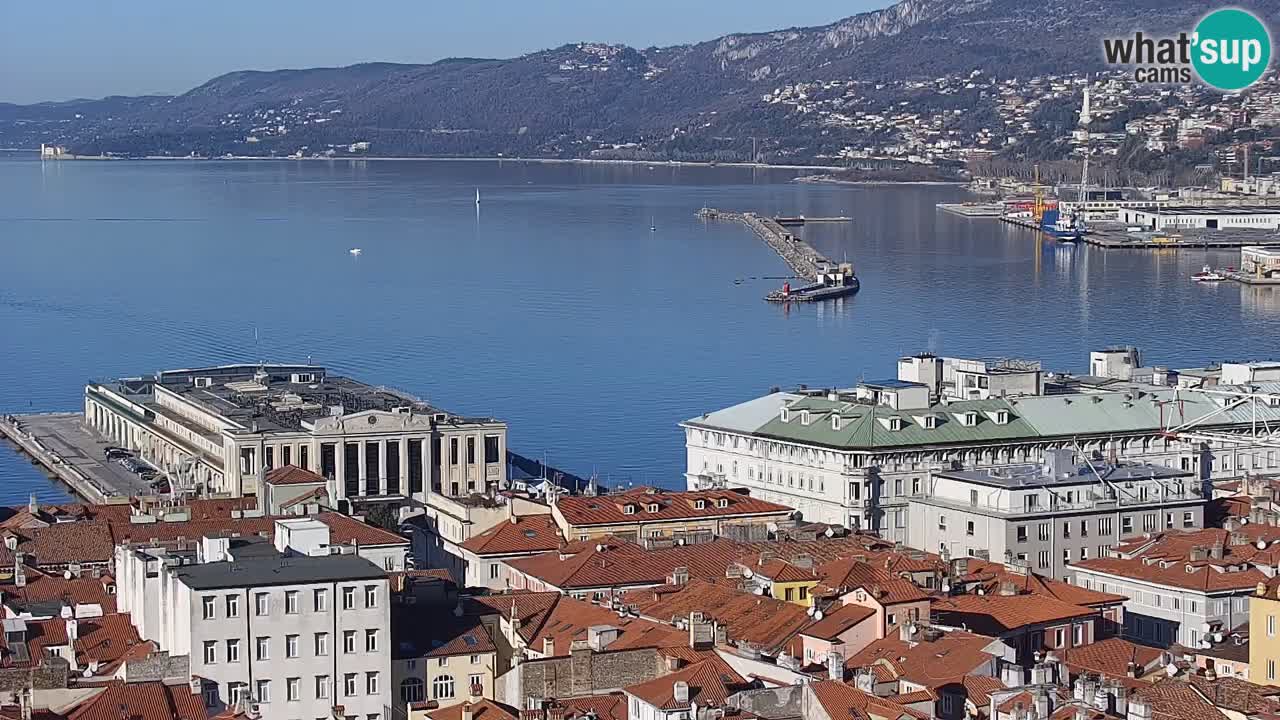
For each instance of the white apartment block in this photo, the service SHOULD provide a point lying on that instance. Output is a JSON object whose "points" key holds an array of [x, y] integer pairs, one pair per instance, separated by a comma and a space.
{"points": [[291, 627]]}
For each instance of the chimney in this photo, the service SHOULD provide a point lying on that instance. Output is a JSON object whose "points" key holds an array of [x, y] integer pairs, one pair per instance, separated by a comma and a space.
{"points": [[466, 711], [511, 510], [1138, 709], [73, 629], [548, 646], [865, 681], [835, 666], [1216, 551], [33, 507], [673, 663], [19, 571], [681, 691]]}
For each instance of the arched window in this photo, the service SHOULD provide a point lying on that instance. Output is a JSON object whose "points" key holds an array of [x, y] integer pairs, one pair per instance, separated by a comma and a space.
{"points": [[442, 687], [412, 690]]}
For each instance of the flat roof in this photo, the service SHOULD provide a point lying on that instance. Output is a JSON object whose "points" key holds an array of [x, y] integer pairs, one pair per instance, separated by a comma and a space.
{"points": [[891, 383], [1223, 210], [278, 570], [1033, 475]]}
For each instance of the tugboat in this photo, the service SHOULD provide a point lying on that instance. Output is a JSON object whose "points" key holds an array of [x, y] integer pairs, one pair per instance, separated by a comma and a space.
{"points": [[1208, 274], [833, 282]]}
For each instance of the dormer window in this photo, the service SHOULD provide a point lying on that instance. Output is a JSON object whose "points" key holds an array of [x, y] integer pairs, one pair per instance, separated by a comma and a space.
{"points": [[653, 507], [203, 382], [804, 417], [700, 504], [1273, 401], [930, 422], [722, 503], [835, 422], [1002, 417], [969, 419], [628, 509], [785, 415], [304, 377], [895, 423]]}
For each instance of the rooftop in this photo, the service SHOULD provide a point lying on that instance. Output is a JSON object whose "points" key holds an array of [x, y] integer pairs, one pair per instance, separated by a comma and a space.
{"points": [[649, 504], [997, 614], [266, 572], [932, 658]]}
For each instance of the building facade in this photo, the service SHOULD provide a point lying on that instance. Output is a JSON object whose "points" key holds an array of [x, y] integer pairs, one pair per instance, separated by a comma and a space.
{"points": [[219, 429]]}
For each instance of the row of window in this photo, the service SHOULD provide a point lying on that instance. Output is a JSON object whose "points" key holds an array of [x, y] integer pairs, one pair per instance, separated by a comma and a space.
{"points": [[236, 691], [442, 687], [262, 602], [1044, 530], [262, 646]]}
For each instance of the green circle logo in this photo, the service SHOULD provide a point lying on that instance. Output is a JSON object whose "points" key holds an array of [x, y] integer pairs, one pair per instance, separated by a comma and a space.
{"points": [[1231, 49]]}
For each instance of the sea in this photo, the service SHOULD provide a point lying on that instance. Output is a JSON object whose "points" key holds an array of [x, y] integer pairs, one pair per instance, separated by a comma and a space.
{"points": [[583, 303]]}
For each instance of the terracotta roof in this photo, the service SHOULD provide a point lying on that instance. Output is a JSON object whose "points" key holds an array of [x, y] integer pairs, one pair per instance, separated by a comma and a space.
{"points": [[604, 707], [671, 505], [108, 640], [990, 576], [1018, 701], [978, 688], [1238, 695], [1203, 577], [293, 475], [841, 700], [998, 614], [887, 586], [527, 534], [838, 621], [1182, 558], [1111, 657], [763, 621], [778, 570], [1172, 699], [531, 608], [482, 709], [622, 564], [561, 620], [711, 682], [61, 544], [141, 701], [467, 637], [915, 696], [53, 587], [930, 660]]}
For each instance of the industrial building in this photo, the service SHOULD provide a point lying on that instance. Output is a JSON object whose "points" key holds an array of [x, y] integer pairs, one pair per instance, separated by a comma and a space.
{"points": [[1254, 217]]}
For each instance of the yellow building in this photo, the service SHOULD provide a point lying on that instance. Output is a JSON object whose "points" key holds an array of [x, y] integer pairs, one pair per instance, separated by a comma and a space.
{"points": [[450, 661], [782, 580], [1264, 633]]}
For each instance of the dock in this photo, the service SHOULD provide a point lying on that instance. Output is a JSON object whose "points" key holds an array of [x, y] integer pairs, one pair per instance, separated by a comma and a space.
{"points": [[65, 447], [801, 220], [803, 259], [972, 209], [1115, 236]]}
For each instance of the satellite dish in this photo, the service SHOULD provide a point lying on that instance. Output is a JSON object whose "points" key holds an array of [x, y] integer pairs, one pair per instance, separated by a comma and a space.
{"points": [[66, 574], [817, 615], [600, 548], [746, 573], [772, 527], [830, 532], [811, 611], [759, 591], [946, 587], [86, 673], [1170, 670], [1217, 637], [914, 629], [1262, 544]]}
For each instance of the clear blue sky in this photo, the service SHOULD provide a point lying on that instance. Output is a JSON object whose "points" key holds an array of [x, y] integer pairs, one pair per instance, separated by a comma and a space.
{"points": [[61, 49]]}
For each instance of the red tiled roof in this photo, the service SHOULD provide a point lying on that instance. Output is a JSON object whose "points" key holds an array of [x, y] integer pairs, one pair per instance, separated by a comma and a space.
{"points": [[763, 621], [62, 544], [978, 689], [1238, 695], [526, 534], [141, 701], [777, 570], [107, 640], [604, 707], [990, 576], [841, 700], [932, 663], [1203, 577], [1018, 701], [838, 621], [482, 709], [622, 564], [48, 587], [1172, 699], [293, 475], [915, 696], [1110, 657], [1001, 613], [711, 682], [671, 505], [468, 637], [846, 574]]}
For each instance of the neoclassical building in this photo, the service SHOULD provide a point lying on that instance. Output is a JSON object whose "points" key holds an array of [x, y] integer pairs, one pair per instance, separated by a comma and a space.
{"points": [[858, 456], [220, 429]]}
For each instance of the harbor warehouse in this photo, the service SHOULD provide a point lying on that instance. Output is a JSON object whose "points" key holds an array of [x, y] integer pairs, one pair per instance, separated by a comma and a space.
{"points": [[1189, 218]]}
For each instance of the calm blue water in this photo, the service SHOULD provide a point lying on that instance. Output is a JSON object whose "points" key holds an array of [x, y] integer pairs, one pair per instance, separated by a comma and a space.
{"points": [[554, 307]]}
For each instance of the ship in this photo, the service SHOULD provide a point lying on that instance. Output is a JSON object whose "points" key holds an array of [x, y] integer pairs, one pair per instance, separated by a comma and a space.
{"points": [[1066, 229], [833, 282]]}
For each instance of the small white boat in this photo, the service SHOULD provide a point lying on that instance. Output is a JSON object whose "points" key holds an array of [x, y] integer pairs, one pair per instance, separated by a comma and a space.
{"points": [[355, 251], [1208, 274]]}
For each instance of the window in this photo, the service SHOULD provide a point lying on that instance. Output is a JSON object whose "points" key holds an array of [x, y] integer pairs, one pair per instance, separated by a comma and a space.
{"points": [[442, 661], [471, 451], [1084, 553], [261, 604], [442, 688], [475, 680], [1044, 531], [1066, 531], [1077, 634], [349, 684], [348, 598], [453, 451], [1059, 637], [1084, 528], [1271, 626], [348, 641], [1104, 526], [371, 640], [210, 692], [371, 683], [291, 602], [322, 687], [236, 691], [1271, 669], [1126, 525], [371, 596], [968, 528], [493, 570], [942, 522], [292, 689], [1188, 520], [1022, 533], [412, 690], [475, 659], [233, 606], [1148, 522], [233, 651], [262, 649], [208, 603], [321, 600], [322, 644], [491, 449], [1043, 559], [210, 652], [263, 693], [291, 646]]}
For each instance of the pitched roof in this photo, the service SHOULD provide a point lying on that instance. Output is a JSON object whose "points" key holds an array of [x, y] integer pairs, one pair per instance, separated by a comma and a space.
{"points": [[840, 700], [1172, 699], [1183, 558], [141, 701], [1238, 695], [468, 636], [482, 709], [886, 586], [978, 688], [762, 621], [1202, 577], [53, 587], [990, 576], [523, 534], [1110, 657], [670, 505], [838, 621], [710, 681], [613, 563], [931, 661], [562, 620], [293, 475], [603, 707], [998, 614]]}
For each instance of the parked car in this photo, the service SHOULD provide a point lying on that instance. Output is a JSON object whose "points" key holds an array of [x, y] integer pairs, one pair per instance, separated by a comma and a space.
{"points": [[115, 453]]}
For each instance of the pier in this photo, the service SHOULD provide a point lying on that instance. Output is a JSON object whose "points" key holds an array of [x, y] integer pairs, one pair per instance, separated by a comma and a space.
{"points": [[1115, 236], [801, 220], [68, 450], [805, 261]]}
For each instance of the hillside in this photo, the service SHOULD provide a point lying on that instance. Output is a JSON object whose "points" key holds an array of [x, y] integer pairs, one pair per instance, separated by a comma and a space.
{"points": [[702, 100]]}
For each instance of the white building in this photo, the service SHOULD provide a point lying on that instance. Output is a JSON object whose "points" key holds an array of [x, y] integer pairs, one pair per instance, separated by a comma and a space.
{"points": [[1185, 218], [297, 627], [219, 429]]}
